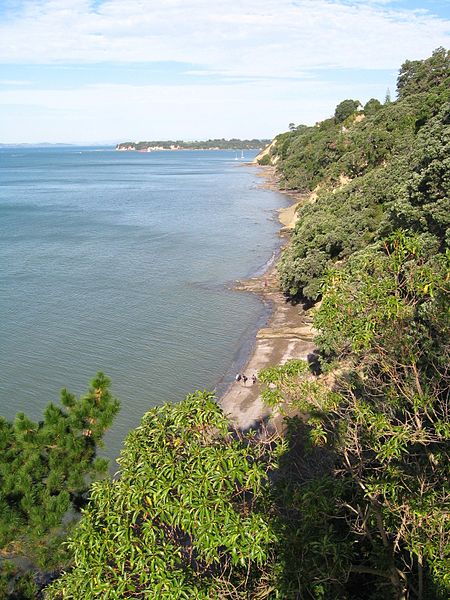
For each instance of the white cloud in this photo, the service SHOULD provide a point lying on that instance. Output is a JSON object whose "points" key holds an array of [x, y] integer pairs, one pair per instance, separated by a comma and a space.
{"points": [[267, 58], [251, 37], [129, 112]]}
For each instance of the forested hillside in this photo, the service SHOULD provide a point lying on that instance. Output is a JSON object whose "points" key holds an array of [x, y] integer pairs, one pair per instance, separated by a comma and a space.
{"points": [[353, 502], [374, 172]]}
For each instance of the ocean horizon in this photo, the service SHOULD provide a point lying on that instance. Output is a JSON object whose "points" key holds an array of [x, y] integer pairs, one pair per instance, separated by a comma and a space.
{"points": [[124, 262]]}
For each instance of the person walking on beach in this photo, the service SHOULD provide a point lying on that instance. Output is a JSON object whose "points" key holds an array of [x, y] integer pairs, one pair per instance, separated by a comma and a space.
{"points": [[244, 379], [253, 379], [238, 377]]}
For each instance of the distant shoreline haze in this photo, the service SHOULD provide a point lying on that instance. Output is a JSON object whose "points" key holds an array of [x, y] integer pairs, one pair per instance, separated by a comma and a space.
{"points": [[216, 144], [212, 144]]}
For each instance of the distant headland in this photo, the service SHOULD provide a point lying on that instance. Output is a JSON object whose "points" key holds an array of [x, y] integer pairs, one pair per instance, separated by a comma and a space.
{"points": [[218, 144]]}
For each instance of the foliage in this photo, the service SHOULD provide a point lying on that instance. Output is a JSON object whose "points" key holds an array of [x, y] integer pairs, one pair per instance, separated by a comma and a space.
{"points": [[420, 75], [388, 311], [371, 107], [383, 415], [265, 160], [422, 202], [345, 109], [306, 153], [387, 171], [314, 553], [278, 378], [331, 229], [45, 472], [374, 247], [403, 280], [186, 518], [16, 587]]}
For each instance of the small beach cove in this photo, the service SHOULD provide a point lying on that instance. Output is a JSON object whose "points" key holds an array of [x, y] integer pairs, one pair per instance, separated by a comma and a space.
{"points": [[287, 335]]}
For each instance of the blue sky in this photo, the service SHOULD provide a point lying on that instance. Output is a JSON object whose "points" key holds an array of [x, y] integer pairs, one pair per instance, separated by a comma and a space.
{"points": [[112, 70]]}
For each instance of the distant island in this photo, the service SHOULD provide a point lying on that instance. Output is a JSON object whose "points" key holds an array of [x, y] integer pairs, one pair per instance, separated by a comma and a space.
{"points": [[218, 144]]}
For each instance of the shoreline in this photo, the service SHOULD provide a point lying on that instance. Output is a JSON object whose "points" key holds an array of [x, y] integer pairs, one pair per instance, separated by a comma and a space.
{"points": [[288, 334]]}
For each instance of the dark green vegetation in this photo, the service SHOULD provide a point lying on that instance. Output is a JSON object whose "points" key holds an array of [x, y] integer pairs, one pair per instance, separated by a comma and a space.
{"points": [[345, 109], [219, 144], [379, 412], [45, 472], [373, 175]]}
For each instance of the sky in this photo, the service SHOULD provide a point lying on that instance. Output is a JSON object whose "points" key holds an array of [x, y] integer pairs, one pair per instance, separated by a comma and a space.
{"points": [[104, 71]]}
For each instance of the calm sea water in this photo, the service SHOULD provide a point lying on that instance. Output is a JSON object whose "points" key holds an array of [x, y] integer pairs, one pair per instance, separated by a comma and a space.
{"points": [[121, 262]]}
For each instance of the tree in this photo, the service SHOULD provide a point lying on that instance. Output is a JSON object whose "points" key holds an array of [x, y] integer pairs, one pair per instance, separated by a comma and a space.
{"points": [[420, 75], [344, 109], [381, 413], [187, 518], [371, 107], [386, 313], [395, 168], [45, 472]]}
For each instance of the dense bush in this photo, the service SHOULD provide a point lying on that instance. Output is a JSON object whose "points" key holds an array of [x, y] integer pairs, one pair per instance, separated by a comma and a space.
{"points": [[383, 419], [397, 162], [186, 519]]}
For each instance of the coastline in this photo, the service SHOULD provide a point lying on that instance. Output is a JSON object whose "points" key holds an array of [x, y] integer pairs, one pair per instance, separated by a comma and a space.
{"points": [[288, 334]]}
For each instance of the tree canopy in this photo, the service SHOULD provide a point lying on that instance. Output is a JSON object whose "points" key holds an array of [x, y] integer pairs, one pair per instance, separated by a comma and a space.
{"points": [[345, 109], [46, 468], [384, 172], [187, 518]]}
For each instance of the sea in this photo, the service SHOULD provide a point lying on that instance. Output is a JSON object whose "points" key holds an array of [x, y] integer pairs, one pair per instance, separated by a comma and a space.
{"points": [[124, 262]]}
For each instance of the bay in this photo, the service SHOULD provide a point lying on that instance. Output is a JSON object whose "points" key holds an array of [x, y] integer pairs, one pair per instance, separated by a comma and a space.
{"points": [[123, 262]]}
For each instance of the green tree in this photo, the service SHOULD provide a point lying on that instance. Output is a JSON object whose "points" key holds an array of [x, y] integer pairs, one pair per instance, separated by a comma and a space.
{"points": [[394, 167], [380, 413], [420, 75], [387, 315], [45, 471], [345, 109], [371, 107], [187, 518]]}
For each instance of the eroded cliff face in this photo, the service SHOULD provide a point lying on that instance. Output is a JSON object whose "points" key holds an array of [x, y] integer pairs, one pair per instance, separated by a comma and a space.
{"points": [[266, 152]]}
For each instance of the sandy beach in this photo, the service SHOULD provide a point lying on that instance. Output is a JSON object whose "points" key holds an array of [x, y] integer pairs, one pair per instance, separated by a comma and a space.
{"points": [[289, 334]]}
